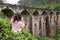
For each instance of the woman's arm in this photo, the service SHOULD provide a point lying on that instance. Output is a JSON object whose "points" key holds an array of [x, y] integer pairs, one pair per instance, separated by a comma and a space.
{"points": [[12, 19]]}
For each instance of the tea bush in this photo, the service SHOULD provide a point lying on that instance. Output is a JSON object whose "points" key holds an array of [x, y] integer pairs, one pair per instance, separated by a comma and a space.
{"points": [[2, 15], [5, 26], [57, 37], [7, 34]]}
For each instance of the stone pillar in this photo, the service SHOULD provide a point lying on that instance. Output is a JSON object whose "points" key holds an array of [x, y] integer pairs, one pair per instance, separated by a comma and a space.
{"points": [[59, 21], [40, 25], [30, 25], [0, 9], [55, 20], [35, 26], [47, 25], [52, 27], [43, 29], [27, 23]]}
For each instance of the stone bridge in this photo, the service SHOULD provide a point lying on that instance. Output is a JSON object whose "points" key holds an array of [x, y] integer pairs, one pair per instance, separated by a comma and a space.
{"points": [[38, 21]]}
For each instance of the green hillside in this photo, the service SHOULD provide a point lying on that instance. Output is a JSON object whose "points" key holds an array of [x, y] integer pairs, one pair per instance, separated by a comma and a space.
{"points": [[44, 5], [51, 4]]}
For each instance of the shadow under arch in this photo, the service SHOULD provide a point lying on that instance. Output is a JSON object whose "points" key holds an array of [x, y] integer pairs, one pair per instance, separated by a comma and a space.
{"points": [[8, 12], [57, 13], [36, 13], [44, 13], [51, 13], [25, 13]]}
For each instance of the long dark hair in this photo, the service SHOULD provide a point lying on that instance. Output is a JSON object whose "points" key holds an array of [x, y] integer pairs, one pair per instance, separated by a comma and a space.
{"points": [[17, 17]]}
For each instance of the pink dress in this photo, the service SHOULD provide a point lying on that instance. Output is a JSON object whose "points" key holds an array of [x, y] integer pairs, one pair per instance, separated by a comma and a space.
{"points": [[17, 25]]}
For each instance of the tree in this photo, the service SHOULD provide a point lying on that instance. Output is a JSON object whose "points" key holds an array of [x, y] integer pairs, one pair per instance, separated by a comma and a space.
{"points": [[40, 3], [24, 2], [1, 1]]}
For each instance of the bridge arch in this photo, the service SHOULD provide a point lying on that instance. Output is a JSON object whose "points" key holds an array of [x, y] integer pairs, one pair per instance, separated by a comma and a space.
{"points": [[51, 16], [46, 23], [6, 7], [57, 13], [44, 13], [26, 17], [57, 18], [35, 13], [8, 12], [25, 13], [51, 13]]}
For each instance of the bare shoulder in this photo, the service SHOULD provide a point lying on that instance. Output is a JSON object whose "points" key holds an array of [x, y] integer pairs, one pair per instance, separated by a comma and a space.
{"points": [[21, 22]]}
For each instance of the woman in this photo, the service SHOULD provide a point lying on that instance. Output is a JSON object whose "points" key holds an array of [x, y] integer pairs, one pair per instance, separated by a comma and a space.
{"points": [[17, 22]]}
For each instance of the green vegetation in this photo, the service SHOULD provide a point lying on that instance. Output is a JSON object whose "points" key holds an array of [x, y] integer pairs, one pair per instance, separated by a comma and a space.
{"points": [[5, 27], [7, 34], [48, 6], [2, 15], [1, 1], [57, 37]]}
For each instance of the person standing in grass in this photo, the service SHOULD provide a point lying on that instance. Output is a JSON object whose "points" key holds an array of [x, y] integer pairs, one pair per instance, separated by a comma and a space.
{"points": [[17, 22]]}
